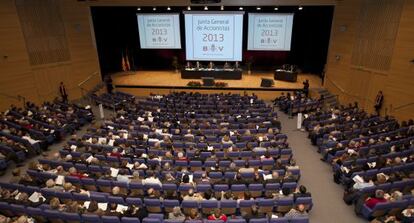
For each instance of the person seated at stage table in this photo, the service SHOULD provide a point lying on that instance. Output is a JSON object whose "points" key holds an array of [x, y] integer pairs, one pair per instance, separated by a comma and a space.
{"points": [[227, 66], [211, 65], [198, 65], [188, 65], [236, 65]]}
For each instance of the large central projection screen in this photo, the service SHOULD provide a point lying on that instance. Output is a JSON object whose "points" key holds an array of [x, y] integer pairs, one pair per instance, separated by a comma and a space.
{"points": [[270, 31], [213, 36]]}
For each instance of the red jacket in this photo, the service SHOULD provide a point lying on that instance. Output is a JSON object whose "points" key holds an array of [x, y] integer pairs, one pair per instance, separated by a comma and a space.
{"points": [[116, 154], [223, 217], [78, 175], [371, 202]]}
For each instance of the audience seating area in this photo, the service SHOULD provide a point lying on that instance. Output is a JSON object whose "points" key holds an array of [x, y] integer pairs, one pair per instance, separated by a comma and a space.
{"points": [[25, 132], [182, 157], [371, 156], [297, 103]]}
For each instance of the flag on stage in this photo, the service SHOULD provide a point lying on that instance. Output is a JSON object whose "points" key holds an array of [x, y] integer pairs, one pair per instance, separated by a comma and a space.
{"points": [[124, 67], [128, 67]]}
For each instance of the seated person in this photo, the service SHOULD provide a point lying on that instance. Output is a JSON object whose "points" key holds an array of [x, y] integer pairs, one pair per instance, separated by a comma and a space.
{"points": [[379, 198], [176, 214], [299, 211], [193, 215], [301, 192], [217, 215]]}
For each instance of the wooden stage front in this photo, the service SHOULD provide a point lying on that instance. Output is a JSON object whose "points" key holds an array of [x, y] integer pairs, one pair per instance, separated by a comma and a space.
{"points": [[142, 83]]}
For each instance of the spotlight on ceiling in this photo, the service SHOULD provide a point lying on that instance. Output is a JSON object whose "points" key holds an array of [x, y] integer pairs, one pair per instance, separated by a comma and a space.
{"points": [[222, 7], [300, 8], [139, 9], [154, 9], [258, 8], [205, 8], [168, 8], [241, 8], [276, 8], [188, 8]]}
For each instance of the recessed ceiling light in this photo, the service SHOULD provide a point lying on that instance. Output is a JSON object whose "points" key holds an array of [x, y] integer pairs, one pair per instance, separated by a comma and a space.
{"points": [[205, 8], [241, 8], [139, 9], [276, 8], [153, 9], [300, 8], [168, 8], [258, 8]]}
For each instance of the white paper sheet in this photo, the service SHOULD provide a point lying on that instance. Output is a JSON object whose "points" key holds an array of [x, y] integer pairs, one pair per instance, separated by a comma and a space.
{"points": [[60, 180], [35, 197], [121, 208], [114, 172], [103, 206], [130, 165], [73, 147], [358, 179], [267, 176], [86, 204], [102, 140]]}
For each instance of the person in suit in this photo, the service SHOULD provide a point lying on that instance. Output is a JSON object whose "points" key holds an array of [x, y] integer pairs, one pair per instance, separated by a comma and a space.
{"points": [[109, 86], [378, 102], [301, 192], [306, 87], [62, 91]]}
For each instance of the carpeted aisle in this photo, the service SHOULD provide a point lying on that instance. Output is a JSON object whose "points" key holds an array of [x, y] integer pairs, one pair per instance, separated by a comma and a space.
{"points": [[317, 177]]}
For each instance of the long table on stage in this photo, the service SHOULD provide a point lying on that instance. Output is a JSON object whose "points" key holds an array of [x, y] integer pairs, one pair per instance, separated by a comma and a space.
{"points": [[222, 74], [285, 75]]}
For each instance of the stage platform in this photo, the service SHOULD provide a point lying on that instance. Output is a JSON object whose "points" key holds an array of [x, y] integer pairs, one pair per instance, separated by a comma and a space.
{"points": [[142, 83]]}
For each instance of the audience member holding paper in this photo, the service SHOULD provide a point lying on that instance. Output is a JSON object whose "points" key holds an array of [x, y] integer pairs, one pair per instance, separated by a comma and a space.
{"points": [[115, 153], [92, 208]]}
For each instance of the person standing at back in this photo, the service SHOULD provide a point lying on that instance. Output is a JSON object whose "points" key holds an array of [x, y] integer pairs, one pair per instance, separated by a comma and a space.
{"points": [[378, 102], [306, 87], [62, 91]]}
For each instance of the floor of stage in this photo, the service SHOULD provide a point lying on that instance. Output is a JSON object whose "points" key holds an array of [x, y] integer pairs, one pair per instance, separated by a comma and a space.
{"points": [[173, 79]]}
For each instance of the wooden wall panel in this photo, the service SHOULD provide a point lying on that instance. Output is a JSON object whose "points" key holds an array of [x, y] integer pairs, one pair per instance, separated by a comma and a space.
{"points": [[40, 83], [377, 29], [352, 83], [44, 32]]}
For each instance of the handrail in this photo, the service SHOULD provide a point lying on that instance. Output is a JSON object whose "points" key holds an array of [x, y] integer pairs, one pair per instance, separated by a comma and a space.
{"points": [[18, 97], [403, 106], [80, 85], [337, 86], [87, 79], [346, 93], [10, 96], [54, 92]]}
